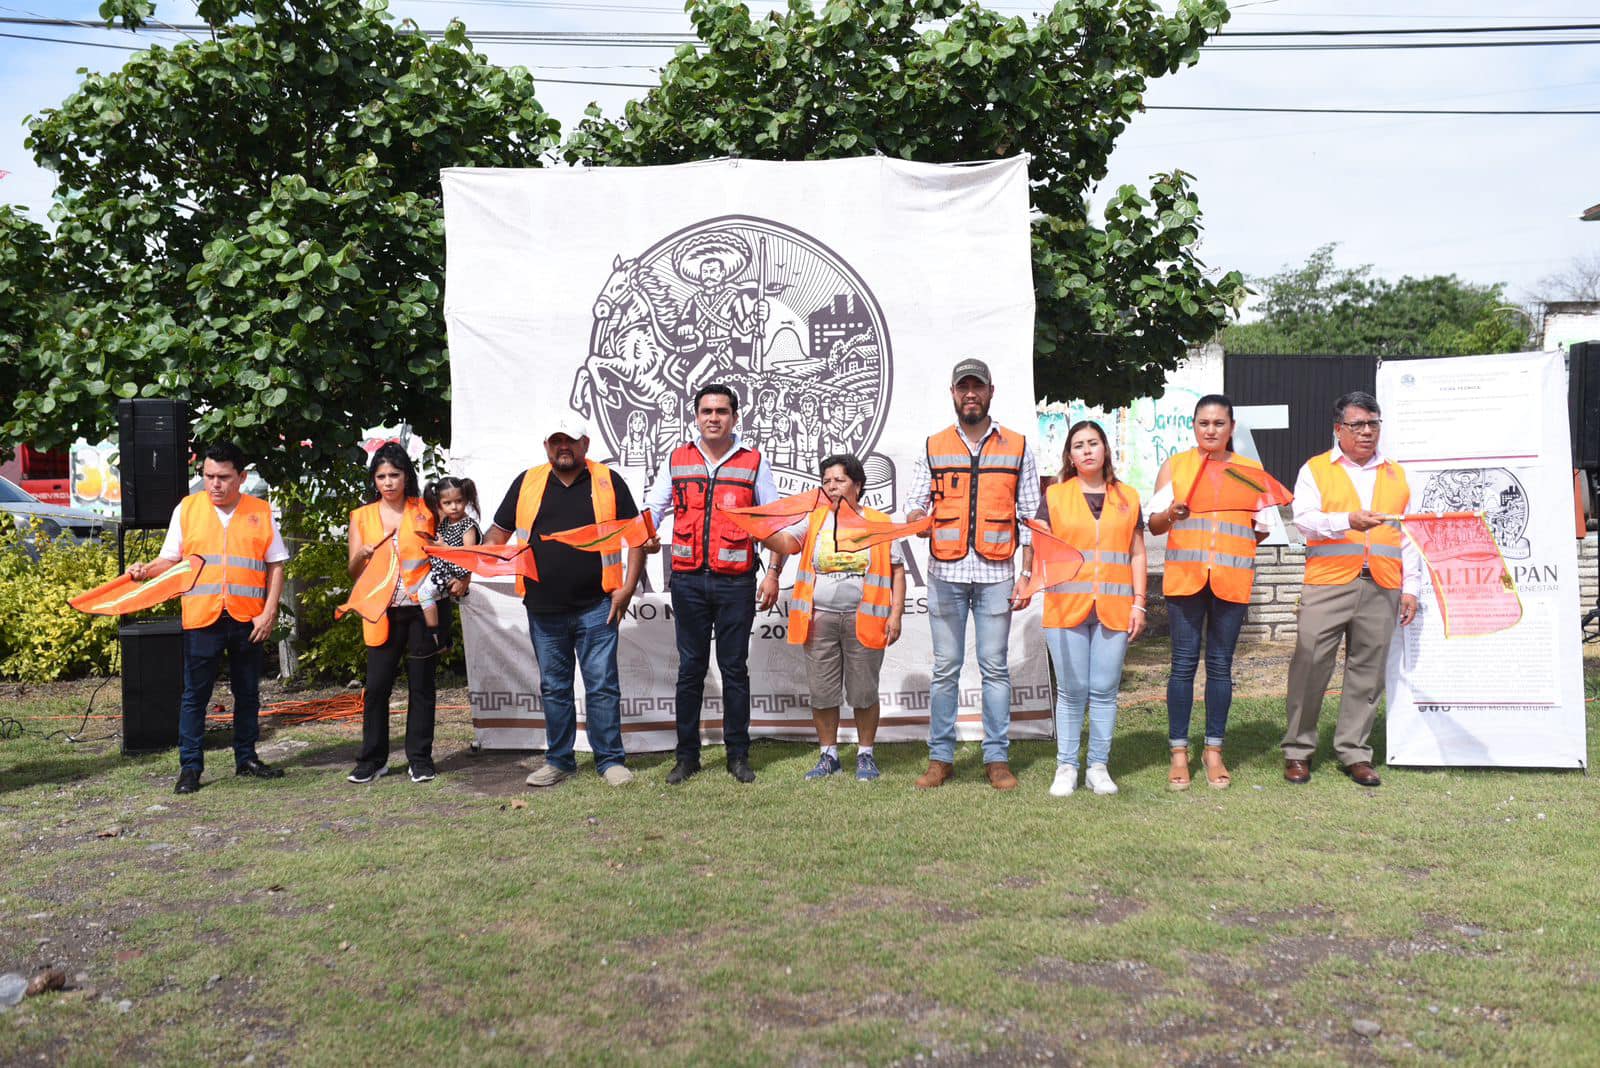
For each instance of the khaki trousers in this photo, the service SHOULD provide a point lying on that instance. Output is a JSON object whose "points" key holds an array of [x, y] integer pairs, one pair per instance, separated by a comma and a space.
{"points": [[1362, 614]]}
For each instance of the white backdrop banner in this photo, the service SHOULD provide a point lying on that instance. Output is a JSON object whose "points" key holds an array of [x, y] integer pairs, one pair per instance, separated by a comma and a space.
{"points": [[615, 293], [1489, 433]]}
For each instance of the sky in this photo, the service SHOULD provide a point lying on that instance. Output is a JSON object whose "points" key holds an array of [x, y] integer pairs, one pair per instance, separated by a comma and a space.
{"points": [[1487, 198]]}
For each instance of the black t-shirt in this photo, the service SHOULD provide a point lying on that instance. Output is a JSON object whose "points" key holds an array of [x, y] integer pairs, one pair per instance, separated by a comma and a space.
{"points": [[1096, 503], [569, 579]]}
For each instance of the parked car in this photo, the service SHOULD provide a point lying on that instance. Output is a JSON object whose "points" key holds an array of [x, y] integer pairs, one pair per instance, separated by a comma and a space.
{"points": [[22, 507]]}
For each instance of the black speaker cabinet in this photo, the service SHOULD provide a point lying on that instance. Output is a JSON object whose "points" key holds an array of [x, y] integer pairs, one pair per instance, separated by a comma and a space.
{"points": [[1583, 403], [152, 684], [153, 436]]}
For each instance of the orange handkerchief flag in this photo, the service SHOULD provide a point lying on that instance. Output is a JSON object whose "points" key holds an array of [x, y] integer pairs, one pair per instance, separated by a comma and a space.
{"points": [[608, 537], [1226, 487], [1054, 561], [856, 533], [762, 521], [374, 588], [1476, 592], [123, 595], [489, 561]]}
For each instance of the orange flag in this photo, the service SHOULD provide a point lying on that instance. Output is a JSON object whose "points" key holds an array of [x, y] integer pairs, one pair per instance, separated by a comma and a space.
{"points": [[489, 561], [762, 521], [374, 587], [1054, 561], [608, 537], [855, 532], [1228, 487], [1476, 592], [123, 595]]}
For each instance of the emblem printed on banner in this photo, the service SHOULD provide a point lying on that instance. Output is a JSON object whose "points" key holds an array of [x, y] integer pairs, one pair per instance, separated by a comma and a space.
{"points": [[758, 305], [1495, 492]]}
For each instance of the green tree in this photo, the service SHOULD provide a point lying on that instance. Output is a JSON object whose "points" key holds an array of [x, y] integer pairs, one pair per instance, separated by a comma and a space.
{"points": [[944, 81], [1322, 308], [253, 222], [24, 285]]}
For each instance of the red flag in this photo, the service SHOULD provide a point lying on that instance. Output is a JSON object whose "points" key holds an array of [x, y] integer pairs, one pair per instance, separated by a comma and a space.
{"points": [[762, 521], [489, 561], [373, 591], [1230, 487], [856, 533], [1054, 561], [123, 595], [608, 537], [1470, 578]]}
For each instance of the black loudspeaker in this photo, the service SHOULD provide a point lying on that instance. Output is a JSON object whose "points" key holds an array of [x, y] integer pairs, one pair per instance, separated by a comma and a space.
{"points": [[153, 436], [152, 684], [1583, 403]]}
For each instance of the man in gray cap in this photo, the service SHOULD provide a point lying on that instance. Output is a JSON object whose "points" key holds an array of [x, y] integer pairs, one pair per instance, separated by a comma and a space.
{"points": [[579, 600], [975, 478]]}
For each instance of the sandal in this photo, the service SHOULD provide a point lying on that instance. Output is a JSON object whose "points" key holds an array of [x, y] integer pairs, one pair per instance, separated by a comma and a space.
{"points": [[1178, 776], [1216, 771]]}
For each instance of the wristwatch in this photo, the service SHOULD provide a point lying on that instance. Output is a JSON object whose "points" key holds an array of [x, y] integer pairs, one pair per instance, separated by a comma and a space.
{"points": [[1026, 574]]}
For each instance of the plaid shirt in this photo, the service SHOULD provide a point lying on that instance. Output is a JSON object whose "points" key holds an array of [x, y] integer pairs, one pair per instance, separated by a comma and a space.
{"points": [[972, 567]]}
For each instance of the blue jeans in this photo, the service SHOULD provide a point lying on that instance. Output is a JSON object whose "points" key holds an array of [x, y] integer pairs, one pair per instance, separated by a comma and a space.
{"points": [[948, 606], [203, 649], [583, 640], [1088, 662], [1191, 617], [705, 604]]}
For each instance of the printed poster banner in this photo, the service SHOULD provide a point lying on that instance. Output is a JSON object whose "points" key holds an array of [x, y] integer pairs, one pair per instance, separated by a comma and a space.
{"points": [[1489, 434], [834, 296]]}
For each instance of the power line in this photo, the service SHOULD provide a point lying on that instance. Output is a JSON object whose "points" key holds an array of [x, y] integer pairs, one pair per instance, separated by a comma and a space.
{"points": [[1371, 111]]}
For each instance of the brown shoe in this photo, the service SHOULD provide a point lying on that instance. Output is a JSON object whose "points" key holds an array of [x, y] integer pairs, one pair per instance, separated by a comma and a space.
{"points": [[938, 774], [1361, 774], [1178, 774], [999, 775], [1297, 771], [1217, 776]]}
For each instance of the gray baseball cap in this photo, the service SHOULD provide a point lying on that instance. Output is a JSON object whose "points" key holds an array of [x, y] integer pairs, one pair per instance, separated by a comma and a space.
{"points": [[971, 368]]}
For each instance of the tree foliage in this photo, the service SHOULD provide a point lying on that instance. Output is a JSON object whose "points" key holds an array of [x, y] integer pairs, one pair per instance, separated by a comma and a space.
{"points": [[1578, 280], [24, 287], [253, 222], [1322, 308], [1119, 300]]}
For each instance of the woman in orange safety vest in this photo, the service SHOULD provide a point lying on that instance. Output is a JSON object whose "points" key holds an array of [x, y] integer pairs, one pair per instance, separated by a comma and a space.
{"points": [[845, 609], [1090, 619], [1209, 569], [402, 635]]}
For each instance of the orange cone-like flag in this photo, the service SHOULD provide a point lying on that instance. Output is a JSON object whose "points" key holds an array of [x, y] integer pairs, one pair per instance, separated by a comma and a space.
{"points": [[489, 561], [1228, 487], [374, 587], [1476, 592], [1054, 561], [762, 521], [856, 533], [123, 595], [608, 537]]}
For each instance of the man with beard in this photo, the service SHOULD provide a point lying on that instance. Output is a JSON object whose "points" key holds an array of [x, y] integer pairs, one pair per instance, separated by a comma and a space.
{"points": [[578, 601], [976, 478]]}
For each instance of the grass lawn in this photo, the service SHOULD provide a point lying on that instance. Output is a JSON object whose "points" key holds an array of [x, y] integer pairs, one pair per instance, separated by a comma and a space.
{"points": [[1454, 914]]}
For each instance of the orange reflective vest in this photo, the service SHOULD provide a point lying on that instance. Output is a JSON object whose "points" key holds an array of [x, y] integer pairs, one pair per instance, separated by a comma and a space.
{"points": [[1218, 548], [235, 573], [416, 531], [1336, 561], [702, 536], [974, 495], [601, 492], [1105, 582], [877, 588]]}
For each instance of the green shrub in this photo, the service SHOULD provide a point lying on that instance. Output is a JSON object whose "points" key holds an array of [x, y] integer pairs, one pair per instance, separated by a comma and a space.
{"points": [[42, 637]]}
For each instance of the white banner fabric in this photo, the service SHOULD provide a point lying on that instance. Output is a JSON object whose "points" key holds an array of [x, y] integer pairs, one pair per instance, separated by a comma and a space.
{"points": [[1489, 433], [615, 293]]}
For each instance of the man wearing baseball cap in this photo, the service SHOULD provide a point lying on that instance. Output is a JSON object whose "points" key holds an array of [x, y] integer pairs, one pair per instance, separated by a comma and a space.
{"points": [[575, 606], [976, 478]]}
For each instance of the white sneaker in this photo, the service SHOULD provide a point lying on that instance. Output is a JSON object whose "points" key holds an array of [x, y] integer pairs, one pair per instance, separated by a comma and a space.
{"points": [[548, 775], [1099, 780], [1066, 780], [617, 775]]}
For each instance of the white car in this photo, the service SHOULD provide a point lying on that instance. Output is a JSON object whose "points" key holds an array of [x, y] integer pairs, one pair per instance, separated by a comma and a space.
{"points": [[24, 507]]}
